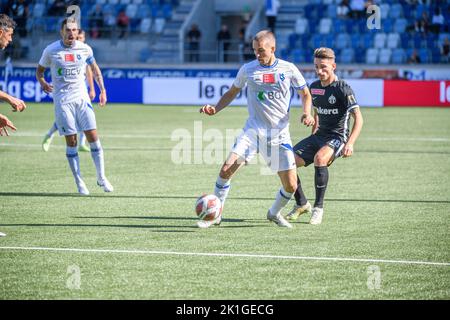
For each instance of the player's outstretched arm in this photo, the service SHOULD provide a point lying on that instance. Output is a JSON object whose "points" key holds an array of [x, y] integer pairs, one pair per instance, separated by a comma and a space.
{"points": [[99, 79], [16, 104], [356, 130], [306, 117], [224, 101], [4, 124]]}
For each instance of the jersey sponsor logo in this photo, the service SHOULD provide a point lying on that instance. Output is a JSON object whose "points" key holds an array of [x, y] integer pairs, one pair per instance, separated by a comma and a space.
{"points": [[268, 78], [327, 111], [332, 99], [351, 99], [68, 72], [319, 92], [69, 57], [271, 95]]}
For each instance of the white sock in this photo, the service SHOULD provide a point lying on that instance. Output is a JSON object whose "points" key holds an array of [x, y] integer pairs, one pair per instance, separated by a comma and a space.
{"points": [[82, 139], [74, 162], [52, 130], [97, 156], [281, 200], [222, 188]]}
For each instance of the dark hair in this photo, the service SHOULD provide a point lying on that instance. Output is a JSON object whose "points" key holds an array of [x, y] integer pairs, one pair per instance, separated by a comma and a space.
{"points": [[6, 22]]}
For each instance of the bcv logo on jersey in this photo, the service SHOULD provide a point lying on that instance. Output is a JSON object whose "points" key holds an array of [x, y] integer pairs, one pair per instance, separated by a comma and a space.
{"points": [[271, 95], [68, 71]]}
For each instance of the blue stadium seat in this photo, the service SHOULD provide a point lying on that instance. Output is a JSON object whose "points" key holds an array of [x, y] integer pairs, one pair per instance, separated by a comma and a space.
{"points": [[332, 11], [347, 55], [338, 26], [316, 40], [385, 56], [355, 40], [405, 38], [360, 55], [342, 41], [417, 40], [298, 56], [387, 25], [292, 40], [368, 40], [396, 11], [329, 40], [400, 25], [425, 55], [436, 55], [398, 56]]}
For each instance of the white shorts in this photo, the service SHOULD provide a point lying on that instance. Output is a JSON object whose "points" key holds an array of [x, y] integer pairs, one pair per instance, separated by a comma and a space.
{"points": [[73, 117], [277, 151]]}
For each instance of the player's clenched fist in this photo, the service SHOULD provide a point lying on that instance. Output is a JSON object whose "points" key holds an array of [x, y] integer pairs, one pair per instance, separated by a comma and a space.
{"points": [[307, 120], [208, 109], [17, 104]]}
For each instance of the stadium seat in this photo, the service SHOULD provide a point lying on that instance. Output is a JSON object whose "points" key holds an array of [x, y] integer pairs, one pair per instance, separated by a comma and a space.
{"points": [[417, 40], [325, 25], [292, 40], [396, 11], [332, 11], [114, 2], [102, 2], [385, 56], [138, 2], [347, 55], [393, 39], [368, 39], [316, 40], [355, 40], [298, 56], [404, 38], [131, 10], [342, 41], [338, 26], [144, 11], [302, 41], [398, 56], [372, 56], [38, 10], [329, 40], [125, 2], [145, 25], [159, 25], [301, 26], [380, 40], [360, 55], [425, 55], [384, 10], [400, 25], [144, 55], [387, 25]]}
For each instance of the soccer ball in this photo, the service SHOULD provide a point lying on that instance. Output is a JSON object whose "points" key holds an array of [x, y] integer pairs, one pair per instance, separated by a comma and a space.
{"points": [[208, 207]]}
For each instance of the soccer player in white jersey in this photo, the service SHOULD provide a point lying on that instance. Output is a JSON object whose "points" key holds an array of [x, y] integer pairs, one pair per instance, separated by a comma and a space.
{"points": [[269, 81], [90, 82], [67, 59], [7, 26]]}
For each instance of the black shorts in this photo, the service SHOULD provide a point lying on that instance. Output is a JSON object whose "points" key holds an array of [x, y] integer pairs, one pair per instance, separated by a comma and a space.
{"points": [[308, 147]]}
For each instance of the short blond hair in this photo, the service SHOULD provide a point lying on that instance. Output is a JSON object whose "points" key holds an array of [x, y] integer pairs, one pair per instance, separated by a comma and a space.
{"points": [[324, 53], [265, 35]]}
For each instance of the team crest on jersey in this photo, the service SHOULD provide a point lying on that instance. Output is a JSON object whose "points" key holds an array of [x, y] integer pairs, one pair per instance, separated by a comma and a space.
{"points": [[78, 56], [332, 99], [282, 76]]}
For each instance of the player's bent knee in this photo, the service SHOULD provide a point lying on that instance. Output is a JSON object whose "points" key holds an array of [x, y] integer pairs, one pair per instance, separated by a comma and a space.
{"points": [[320, 160], [291, 187]]}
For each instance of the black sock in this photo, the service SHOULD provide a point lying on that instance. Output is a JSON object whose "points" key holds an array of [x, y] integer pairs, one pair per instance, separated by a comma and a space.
{"points": [[300, 198], [321, 181]]}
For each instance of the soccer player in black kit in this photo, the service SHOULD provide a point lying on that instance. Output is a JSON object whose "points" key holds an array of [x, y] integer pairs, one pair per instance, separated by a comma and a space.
{"points": [[334, 103]]}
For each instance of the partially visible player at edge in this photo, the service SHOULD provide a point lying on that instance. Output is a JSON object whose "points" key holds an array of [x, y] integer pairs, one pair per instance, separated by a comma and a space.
{"points": [[90, 81], [334, 102], [7, 26], [67, 59], [269, 81]]}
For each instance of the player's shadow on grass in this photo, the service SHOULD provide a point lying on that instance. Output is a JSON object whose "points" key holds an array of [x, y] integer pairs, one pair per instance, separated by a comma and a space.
{"points": [[75, 195], [114, 196]]}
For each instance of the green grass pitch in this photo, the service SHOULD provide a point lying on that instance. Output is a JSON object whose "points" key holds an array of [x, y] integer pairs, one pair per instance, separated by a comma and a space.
{"points": [[387, 213]]}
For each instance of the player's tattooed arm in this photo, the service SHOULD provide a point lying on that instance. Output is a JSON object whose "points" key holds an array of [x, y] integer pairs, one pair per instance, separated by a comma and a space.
{"points": [[99, 79]]}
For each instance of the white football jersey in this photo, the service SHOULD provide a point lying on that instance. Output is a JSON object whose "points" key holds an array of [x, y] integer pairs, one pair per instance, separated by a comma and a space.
{"points": [[269, 93], [68, 67]]}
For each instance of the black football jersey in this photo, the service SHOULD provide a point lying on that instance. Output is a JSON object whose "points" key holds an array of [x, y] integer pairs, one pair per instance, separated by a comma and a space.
{"points": [[333, 105]]}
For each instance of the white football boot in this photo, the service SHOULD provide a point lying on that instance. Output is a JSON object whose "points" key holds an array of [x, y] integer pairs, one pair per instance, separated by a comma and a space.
{"points": [[82, 189], [106, 185], [278, 220], [316, 216]]}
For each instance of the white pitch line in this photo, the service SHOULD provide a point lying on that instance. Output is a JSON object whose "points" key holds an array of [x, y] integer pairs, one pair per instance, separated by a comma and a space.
{"points": [[232, 255]]}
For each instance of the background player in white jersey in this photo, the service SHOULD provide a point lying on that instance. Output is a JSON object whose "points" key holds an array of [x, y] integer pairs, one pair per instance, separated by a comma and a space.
{"points": [[334, 102], [7, 26], [269, 82], [90, 82], [67, 60]]}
